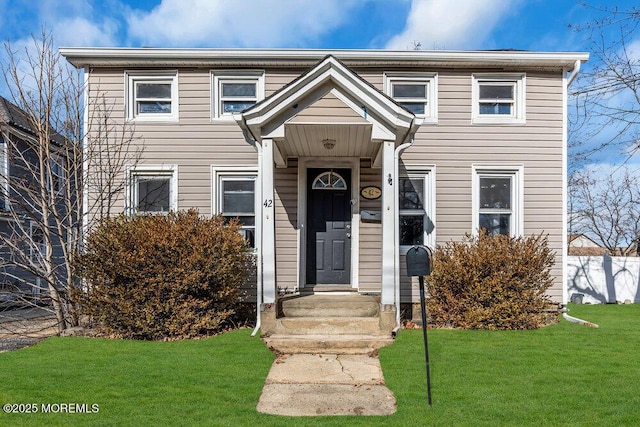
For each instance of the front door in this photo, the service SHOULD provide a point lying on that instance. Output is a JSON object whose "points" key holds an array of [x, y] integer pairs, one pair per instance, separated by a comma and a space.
{"points": [[328, 226]]}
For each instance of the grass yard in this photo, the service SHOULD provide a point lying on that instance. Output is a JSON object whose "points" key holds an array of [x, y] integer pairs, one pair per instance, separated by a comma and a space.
{"points": [[564, 374]]}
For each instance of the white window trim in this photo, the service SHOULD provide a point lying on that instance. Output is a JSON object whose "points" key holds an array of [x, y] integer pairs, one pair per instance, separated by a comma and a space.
{"points": [[431, 79], [218, 172], [518, 116], [4, 175], [56, 162], [219, 76], [428, 201], [132, 77], [36, 252], [517, 193], [150, 170]]}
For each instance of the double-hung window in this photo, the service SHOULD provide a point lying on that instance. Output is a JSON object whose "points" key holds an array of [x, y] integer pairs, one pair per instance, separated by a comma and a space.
{"points": [[152, 96], [415, 92], [57, 171], [152, 189], [498, 200], [415, 209], [235, 197], [37, 251], [234, 92], [498, 99]]}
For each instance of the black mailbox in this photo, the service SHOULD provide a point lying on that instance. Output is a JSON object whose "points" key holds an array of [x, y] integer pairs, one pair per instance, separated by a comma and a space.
{"points": [[418, 261]]}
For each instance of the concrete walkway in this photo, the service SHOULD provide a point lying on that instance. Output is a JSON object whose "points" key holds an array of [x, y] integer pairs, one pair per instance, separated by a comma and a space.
{"points": [[326, 384]]}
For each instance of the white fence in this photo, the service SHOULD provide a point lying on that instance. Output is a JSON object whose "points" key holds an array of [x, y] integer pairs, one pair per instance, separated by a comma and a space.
{"points": [[604, 279]]}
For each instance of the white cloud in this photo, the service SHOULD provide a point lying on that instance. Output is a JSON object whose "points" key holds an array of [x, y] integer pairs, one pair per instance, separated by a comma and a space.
{"points": [[450, 24], [84, 33], [219, 23]]}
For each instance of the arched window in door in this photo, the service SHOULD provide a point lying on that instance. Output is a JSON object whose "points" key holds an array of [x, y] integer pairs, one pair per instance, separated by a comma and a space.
{"points": [[329, 180]]}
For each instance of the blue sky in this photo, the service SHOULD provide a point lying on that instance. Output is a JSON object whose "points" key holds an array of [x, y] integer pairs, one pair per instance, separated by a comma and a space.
{"points": [[537, 25], [396, 24]]}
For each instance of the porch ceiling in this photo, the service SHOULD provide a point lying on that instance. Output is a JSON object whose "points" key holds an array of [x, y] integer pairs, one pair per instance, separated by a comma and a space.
{"points": [[306, 140]]}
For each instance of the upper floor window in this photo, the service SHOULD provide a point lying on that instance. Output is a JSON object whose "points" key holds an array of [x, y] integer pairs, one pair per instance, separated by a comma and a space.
{"points": [[415, 92], [497, 199], [152, 96], [235, 91], [152, 189], [498, 99]]}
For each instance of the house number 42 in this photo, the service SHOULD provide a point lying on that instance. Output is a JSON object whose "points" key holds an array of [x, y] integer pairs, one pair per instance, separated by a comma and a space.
{"points": [[268, 203]]}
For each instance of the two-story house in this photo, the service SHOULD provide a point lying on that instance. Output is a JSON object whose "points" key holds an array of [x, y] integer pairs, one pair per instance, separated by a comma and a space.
{"points": [[338, 161], [23, 247]]}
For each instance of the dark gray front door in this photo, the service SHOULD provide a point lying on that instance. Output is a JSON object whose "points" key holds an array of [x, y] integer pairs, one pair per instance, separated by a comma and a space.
{"points": [[329, 226]]}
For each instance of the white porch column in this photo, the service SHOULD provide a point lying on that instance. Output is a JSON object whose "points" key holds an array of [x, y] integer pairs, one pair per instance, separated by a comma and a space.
{"points": [[389, 181], [268, 225]]}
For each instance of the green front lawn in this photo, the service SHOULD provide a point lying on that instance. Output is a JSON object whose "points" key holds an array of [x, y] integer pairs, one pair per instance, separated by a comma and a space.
{"points": [[564, 374]]}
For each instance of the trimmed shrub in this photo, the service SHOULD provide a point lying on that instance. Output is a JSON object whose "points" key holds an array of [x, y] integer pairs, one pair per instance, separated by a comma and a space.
{"points": [[491, 282], [157, 277]]}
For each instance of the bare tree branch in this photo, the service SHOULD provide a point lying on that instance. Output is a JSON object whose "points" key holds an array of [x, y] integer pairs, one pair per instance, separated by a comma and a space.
{"points": [[47, 185]]}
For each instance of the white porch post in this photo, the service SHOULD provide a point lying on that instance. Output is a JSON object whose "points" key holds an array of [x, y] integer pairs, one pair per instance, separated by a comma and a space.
{"points": [[389, 181], [268, 225]]}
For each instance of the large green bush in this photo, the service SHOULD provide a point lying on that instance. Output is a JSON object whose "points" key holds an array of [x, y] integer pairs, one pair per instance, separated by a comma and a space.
{"points": [[491, 282], [156, 277]]}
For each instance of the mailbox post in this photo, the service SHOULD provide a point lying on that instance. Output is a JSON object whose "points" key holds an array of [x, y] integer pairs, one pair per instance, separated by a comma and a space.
{"points": [[419, 264]]}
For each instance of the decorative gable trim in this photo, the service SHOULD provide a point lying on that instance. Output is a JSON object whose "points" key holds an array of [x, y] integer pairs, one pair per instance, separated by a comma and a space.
{"points": [[390, 121]]}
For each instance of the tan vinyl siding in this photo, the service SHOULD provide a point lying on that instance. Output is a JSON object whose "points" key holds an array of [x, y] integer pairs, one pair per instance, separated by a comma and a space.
{"points": [[370, 268], [328, 109], [454, 145], [286, 214], [194, 143]]}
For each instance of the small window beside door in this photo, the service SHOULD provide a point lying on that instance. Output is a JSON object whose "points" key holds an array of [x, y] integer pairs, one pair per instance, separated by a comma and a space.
{"points": [[235, 197], [416, 208]]}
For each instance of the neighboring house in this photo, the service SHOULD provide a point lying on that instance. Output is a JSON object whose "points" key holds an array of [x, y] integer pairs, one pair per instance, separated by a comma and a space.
{"points": [[337, 162], [18, 225], [582, 245]]}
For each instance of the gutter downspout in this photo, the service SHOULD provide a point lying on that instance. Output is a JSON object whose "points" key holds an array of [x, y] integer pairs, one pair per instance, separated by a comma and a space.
{"points": [[570, 79], [250, 138], [574, 72], [408, 142]]}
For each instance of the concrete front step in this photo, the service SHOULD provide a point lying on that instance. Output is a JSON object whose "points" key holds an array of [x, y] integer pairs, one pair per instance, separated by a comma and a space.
{"points": [[329, 326], [330, 306], [337, 344]]}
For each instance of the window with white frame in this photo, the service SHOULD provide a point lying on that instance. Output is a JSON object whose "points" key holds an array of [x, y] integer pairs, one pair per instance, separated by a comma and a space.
{"points": [[153, 190], [415, 209], [38, 246], [152, 96], [416, 92], [235, 91], [58, 174], [498, 99], [37, 251], [497, 200], [4, 177], [236, 198]]}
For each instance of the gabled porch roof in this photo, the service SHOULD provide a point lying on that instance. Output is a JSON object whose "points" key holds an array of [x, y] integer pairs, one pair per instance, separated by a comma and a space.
{"points": [[377, 117]]}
